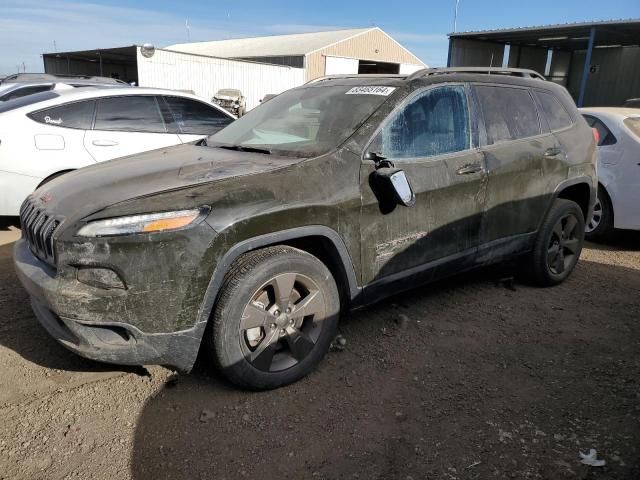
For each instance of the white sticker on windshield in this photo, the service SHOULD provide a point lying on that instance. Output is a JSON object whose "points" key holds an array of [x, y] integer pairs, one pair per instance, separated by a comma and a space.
{"points": [[384, 91]]}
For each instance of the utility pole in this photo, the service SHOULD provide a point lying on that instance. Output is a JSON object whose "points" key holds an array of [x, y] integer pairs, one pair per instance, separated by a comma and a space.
{"points": [[455, 17], [186, 24]]}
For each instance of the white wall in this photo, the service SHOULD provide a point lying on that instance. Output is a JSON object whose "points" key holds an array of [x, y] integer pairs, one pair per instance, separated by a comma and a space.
{"points": [[340, 65], [206, 75], [408, 69]]}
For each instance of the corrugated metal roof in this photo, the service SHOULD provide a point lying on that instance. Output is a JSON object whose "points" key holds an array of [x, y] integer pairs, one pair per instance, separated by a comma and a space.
{"points": [[595, 23], [270, 46]]}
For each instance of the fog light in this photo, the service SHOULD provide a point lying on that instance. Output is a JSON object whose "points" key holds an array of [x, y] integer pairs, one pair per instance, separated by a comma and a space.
{"points": [[100, 277]]}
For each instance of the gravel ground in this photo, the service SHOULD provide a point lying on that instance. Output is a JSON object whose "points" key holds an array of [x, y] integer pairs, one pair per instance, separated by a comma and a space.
{"points": [[474, 378]]}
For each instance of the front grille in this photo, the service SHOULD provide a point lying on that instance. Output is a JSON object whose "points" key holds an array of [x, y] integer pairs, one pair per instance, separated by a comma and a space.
{"points": [[38, 227]]}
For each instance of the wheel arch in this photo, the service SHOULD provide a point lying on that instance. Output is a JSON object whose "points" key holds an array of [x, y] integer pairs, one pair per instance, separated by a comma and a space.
{"points": [[580, 192], [318, 240]]}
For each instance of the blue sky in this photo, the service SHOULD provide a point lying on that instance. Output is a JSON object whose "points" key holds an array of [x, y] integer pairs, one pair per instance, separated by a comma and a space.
{"points": [[28, 27]]}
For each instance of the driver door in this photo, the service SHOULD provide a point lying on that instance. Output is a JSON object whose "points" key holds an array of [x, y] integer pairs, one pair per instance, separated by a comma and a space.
{"points": [[429, 137]]}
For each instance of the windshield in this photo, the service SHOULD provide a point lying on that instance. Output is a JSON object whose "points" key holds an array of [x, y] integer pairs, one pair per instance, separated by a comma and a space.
{"points": [[304, 121], [26, 100], [633, 124]]}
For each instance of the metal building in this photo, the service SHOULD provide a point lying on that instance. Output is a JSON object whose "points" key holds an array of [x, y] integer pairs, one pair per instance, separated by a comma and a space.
{"points": [[598, 62], [363, 50], [161, 68]]}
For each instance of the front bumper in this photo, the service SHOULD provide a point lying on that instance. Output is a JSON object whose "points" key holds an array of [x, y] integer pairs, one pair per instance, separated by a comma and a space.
{"points": [[110, 341]]}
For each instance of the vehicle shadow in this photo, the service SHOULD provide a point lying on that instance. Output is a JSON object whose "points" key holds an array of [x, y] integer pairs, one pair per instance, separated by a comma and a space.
{"points": [[627, 240], [21, 332], [444, 376], [7, 222]]}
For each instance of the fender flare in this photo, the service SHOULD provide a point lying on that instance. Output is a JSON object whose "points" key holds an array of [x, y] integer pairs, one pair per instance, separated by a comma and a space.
{"points": [[254, 243]]}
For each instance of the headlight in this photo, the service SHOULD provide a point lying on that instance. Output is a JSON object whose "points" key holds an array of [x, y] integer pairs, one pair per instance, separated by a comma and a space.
{"points": [[145, 223]]}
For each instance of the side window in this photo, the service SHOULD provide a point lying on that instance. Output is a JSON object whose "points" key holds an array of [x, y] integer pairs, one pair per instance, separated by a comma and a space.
{"points": [[133, 113], [605, 135], [509, 113], [73, 115], [435, 122], [23, 92], [195, 117], [555, 112]]}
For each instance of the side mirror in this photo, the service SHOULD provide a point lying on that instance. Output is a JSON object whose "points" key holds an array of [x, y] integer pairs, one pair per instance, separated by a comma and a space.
{"points": [[394, 182]]}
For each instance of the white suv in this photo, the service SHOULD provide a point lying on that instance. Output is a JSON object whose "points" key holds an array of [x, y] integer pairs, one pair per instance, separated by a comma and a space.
{"points": [[47, 134]]}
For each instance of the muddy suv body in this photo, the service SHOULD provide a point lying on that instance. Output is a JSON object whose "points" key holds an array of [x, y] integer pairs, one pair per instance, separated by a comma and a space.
{"points": [[251, 244]]}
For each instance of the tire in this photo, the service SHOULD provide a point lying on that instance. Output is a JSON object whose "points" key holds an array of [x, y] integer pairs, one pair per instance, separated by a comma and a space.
{"points": [[256, 339], [558, 244], [601, 225]]}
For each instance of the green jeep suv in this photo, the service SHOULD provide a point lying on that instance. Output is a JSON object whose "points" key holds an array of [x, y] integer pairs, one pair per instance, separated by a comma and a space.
{"points": [[332, 195]]}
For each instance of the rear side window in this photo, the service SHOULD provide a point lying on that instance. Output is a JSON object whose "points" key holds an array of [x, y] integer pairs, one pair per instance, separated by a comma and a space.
{"points": [[509, 113], [195, 117], [73, 115], [133, 113], [555, 112], [23, 92], [604, 134], [435, 122]]}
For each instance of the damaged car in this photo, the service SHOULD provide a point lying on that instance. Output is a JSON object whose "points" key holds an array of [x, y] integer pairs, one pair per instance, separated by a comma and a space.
{"points": [[232, 100], [330, 196]]}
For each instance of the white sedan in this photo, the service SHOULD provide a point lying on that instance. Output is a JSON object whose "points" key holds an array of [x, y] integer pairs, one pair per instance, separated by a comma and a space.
{"points": [[618, 204], [47, 134]]}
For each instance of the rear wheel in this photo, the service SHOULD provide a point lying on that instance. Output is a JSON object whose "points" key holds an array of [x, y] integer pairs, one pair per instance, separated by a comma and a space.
{"points": [[600, 227], [275, 318], [558, 245]]}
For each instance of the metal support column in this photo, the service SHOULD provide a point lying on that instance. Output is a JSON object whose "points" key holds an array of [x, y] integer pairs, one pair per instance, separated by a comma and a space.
{"points": [[449, 54], [587, 66]]}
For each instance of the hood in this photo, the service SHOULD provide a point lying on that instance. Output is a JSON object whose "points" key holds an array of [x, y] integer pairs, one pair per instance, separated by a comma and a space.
{"points": [[91, 189]]}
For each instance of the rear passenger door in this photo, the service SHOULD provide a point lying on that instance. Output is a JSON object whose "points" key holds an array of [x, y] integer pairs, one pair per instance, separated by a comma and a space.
{"points": [[195, 120], [127, 125], [429, 136], [517, 149]]}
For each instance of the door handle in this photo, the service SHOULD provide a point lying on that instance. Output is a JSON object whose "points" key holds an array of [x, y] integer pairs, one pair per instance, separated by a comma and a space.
{"points": [[552, 152], [470, 168], [105, 143]]}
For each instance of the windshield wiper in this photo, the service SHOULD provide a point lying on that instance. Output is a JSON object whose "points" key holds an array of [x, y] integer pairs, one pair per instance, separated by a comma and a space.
{"points": [[241, 148]]}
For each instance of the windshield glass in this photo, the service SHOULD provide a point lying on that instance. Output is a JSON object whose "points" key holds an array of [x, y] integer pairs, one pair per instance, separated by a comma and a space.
{"points": [[633, 124], [26, 100], [304, 121]]}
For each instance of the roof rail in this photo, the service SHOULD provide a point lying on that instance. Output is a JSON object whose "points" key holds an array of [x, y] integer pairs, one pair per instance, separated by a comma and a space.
{"points": [[520, 72]]}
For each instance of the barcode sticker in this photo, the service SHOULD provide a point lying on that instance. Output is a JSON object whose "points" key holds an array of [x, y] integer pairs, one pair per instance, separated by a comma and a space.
{"points": [[384, 91]]}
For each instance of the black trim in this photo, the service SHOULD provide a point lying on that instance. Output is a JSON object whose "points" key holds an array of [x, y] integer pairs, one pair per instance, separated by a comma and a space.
{"points": [[211, 294]]}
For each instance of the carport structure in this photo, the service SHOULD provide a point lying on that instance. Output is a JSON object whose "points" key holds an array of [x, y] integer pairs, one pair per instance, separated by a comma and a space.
{"points": [[598, 62]]}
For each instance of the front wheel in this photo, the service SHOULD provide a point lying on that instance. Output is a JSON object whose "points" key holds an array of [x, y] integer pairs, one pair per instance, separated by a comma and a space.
{"points": [[275, 318], [558, 245]]}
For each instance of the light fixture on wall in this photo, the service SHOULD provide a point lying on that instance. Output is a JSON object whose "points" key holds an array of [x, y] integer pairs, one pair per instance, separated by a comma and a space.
{"points": [[147, 50]]}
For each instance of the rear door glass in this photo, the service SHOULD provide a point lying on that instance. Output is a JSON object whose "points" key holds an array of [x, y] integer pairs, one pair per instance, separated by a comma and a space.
{"points": [[133, 113], [555, 112], [73, 115], [195, 117], [509, 113]]}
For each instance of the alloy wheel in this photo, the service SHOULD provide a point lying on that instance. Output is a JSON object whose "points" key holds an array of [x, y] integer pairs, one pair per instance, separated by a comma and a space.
{"points": [[564, 244], [596, 218], [282, 322]]}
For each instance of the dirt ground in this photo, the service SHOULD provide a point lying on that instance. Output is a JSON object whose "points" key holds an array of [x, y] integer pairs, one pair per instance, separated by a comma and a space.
{"points": [[473, 378]]}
